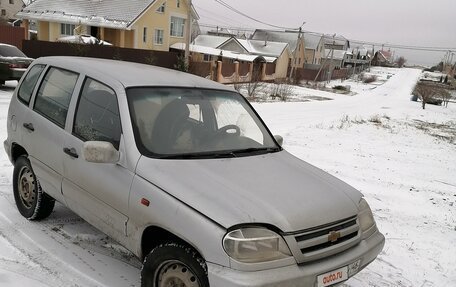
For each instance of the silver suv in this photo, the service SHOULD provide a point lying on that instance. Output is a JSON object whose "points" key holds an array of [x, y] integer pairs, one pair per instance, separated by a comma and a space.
{"points": [[184, 173]]}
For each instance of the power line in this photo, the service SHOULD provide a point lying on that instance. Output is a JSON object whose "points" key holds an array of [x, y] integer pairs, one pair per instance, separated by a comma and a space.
{"points": [[224, 4]]}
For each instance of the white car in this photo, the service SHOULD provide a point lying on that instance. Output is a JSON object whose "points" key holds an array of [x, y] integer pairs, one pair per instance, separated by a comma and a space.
{"points": [[182, 172]]}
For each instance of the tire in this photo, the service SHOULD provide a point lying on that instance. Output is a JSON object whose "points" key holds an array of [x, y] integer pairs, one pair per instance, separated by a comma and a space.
{"points": [[174, 263], [31, 201]]}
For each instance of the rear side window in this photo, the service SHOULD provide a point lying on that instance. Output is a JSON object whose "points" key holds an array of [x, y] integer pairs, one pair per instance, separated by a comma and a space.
{"points": [[54, 95], [97, 115], [28, 84]]}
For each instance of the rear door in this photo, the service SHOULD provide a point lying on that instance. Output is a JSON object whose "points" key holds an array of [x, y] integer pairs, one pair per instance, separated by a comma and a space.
{"points": [[44, 128], [98, 192]]}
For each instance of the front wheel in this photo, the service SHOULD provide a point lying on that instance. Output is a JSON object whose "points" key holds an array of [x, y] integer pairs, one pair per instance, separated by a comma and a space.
{"points": [[173, 264], [32, 202]]}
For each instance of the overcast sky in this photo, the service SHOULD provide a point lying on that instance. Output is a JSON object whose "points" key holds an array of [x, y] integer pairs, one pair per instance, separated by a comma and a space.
{"points": [[430, 23]]}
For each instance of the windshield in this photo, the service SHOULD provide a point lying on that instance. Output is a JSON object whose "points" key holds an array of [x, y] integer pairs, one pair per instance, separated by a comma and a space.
{"points": [[194, 123]]}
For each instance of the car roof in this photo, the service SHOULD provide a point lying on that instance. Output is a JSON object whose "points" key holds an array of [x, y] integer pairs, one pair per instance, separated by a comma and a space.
{"points": [[131, 74]]}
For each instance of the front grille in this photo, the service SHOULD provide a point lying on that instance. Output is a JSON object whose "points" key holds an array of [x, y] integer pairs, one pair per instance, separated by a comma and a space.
{"points": [[322, 241]]}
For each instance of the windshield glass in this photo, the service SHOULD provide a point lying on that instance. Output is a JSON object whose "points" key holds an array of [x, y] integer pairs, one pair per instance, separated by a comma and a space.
{"points": [[192, 123]]}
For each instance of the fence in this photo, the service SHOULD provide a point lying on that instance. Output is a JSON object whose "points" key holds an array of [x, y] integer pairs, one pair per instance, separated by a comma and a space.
{"points": [[12, 35], [303, 74], [36, 49]]}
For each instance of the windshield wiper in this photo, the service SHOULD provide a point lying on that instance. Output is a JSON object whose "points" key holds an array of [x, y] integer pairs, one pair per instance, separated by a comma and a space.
{"points": [[256, 150], [199, 155]]}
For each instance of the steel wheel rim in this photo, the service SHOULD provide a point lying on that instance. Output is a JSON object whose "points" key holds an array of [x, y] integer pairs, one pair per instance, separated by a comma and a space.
{"points": [[173, 273], [26, 187]]}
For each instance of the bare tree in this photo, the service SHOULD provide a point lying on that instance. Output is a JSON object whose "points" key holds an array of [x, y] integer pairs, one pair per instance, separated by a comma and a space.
{"points": [[401, 61], [445, 96], [426, 93]]}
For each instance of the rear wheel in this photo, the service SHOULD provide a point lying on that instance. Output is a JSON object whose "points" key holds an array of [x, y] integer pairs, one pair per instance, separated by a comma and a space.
{"points": [[31, 201], [176, 265]]}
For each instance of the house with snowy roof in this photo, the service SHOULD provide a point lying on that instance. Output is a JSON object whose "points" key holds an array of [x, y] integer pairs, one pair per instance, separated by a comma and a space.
{"points": [[140, 24], [210, 48], [295, 41], [315, 49], [383, 58], [358, 56], [334, 58], [336, 42]]}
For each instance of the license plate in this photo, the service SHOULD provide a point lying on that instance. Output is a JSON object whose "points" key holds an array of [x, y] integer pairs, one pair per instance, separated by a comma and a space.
{"points": [[333, 277]]}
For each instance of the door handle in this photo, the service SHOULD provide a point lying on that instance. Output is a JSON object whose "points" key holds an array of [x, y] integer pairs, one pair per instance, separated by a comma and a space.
{"points": [[71, 152], [29, 126]]}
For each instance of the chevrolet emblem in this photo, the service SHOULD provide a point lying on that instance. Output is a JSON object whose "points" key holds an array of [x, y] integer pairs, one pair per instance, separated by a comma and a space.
{"points": [[333, 236]]}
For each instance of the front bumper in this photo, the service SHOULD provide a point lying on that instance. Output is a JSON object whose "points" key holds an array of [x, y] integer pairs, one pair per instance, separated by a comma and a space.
{"points": [[298, 275]]}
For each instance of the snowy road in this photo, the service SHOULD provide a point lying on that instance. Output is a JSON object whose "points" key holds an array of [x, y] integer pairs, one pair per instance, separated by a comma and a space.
{"points": [[402, 158]]}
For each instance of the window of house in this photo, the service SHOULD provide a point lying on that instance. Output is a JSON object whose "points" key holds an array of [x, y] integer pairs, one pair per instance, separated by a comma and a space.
{"points": [[207, 58], [3, 12], [97, 114], [67, 29], [161, 9], [178, 3], [11, 1], [158, 38], [54, 95], [145, 35], [177, 26], [26, 89]]}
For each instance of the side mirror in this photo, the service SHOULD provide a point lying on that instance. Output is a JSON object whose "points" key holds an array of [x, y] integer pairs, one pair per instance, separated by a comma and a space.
{"points": [[279, 139], [100, 152]]}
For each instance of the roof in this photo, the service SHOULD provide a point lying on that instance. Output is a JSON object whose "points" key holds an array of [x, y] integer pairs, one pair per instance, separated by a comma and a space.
{"points": [[312, 41], [255, 47], [337, 40], [131, 74], [289, 37], [118, 14], [224, 53], [210, 40], [386, 54], [338, 54]]}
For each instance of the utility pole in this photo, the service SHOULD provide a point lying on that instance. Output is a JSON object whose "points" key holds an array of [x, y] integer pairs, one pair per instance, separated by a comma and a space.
{"points": [[189, 33], [332, 58], [293, 64]]}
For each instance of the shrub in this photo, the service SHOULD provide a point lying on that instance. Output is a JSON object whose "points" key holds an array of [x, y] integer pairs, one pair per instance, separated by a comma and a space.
{"points": [[369, 79]]}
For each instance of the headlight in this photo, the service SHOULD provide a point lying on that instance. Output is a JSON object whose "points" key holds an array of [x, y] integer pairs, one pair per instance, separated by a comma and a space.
{"points": [[255, 244], [366, 219]]}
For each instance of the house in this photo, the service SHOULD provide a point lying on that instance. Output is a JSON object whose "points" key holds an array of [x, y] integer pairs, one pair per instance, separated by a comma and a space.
{"points": [[140, 24], [294, 39], [9, 8], [383, 58], [359, 56], [336, 42], [334, 59], [237, 49], [315, 49]]}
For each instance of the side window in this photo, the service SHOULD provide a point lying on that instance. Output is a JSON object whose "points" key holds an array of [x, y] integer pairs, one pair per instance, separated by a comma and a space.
{"points": [[54, 95], [97, 115], [28, 84]]}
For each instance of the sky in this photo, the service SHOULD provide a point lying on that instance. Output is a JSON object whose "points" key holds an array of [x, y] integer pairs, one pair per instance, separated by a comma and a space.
{"points": [[422, 23]]}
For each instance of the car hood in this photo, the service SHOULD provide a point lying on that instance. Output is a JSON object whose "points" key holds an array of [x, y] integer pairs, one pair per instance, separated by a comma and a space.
{"points": [[275, 188]]}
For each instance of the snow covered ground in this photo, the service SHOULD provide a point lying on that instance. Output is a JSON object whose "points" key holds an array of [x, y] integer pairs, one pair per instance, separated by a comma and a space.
{"points": [[401, 157]]}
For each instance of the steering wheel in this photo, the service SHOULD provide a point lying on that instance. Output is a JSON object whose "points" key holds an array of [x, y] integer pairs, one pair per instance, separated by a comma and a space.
{"points": [[225, 129]]}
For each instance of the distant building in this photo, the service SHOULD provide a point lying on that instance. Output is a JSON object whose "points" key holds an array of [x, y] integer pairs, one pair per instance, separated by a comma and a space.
{"points": [[297, 46], [383, 58], [9, 8]]}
